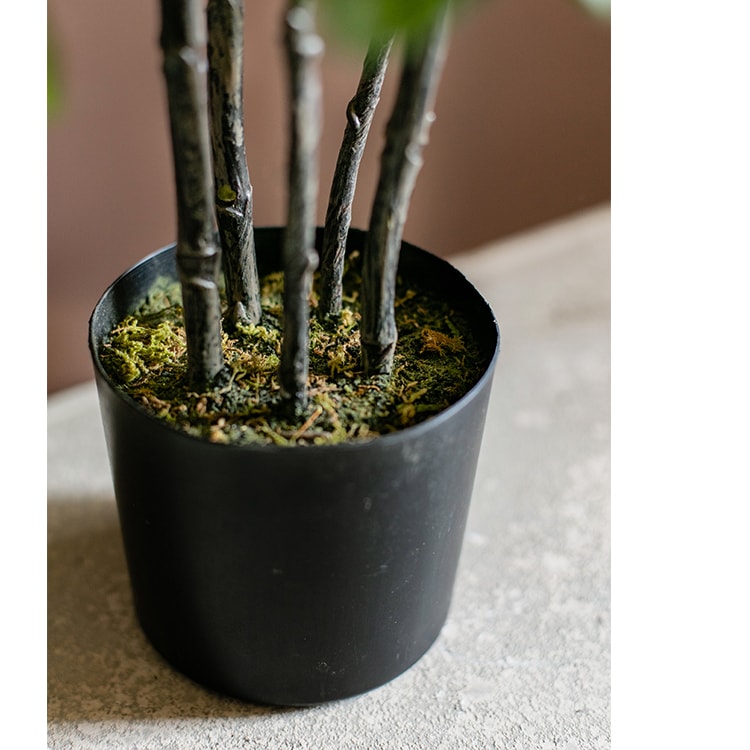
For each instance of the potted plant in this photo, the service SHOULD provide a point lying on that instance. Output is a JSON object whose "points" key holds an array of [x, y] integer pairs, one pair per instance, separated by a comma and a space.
{"points": [[294, 414]]}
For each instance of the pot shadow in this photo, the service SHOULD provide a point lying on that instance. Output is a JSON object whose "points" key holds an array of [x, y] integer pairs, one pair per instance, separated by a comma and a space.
{"points": [[100, 666]]}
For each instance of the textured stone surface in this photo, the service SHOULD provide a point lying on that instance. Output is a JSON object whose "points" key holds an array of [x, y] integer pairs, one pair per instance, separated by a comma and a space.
{"points": [[523, 661]]}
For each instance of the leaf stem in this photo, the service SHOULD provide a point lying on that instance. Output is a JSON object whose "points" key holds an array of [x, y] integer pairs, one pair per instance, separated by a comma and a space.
{"points": [[233, 190], [406, 136], [304, 49], [359, 114], [198, 252]]}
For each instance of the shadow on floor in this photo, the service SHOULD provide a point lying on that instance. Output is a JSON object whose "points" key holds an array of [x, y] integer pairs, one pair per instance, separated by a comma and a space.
{"points": [[100, 666]]}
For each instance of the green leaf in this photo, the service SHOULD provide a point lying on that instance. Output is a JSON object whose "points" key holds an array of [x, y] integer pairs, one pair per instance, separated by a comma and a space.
{"points": [[599, 8], [54, 82], [359, 21]]}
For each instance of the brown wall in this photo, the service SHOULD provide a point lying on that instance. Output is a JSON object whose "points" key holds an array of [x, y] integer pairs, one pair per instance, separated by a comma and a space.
{"points": [[522, 136]]}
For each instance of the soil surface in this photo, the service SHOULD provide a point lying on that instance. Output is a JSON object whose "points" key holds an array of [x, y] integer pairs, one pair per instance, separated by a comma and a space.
{"points": [[436, 362]]}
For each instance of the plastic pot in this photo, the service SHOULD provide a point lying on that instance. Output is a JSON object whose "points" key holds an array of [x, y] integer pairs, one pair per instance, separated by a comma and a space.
{"points": [[293, 575]]}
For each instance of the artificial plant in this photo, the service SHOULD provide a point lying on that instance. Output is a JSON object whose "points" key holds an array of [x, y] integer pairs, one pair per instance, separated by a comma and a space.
{"points": [[214, 193]]}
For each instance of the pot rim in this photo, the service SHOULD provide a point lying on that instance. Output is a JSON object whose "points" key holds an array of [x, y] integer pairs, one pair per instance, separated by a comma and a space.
{"points": [[407, 433]]}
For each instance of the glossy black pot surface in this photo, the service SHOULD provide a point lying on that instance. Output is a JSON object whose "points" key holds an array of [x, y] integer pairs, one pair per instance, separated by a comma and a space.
{"points": [[293, 575]]}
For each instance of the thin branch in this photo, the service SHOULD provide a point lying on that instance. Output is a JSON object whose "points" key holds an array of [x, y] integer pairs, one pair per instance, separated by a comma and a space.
{"points": [[198, 253], [359, 114], [233, 191], [304, 50], [406, 135]]}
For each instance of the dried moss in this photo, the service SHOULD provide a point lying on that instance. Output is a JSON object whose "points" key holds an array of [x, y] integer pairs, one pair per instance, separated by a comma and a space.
{"points": [[436, 362]]}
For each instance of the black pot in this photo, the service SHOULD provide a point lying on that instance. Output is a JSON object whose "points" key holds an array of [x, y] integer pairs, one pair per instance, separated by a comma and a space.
{"points": [[293, 575]]}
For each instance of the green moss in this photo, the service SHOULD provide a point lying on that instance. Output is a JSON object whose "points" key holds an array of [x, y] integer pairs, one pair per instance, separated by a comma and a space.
{"points": [[436, 362]]}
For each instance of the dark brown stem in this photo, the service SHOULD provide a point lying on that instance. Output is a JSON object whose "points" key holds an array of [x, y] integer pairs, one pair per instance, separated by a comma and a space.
{"points": [[233, 191], [198, 253], [304, 50], [406, 135], [359, 114]]}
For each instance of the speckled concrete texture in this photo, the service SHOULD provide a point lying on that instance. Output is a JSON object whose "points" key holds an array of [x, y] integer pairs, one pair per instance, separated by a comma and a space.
{"points": [[523, 661]]}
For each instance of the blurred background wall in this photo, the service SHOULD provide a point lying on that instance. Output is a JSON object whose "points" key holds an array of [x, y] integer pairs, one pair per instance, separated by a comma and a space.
{"points": [[522, 136]]}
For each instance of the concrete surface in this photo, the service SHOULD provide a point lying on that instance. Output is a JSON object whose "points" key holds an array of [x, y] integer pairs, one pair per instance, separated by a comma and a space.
{"points": [[523, 661]]}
